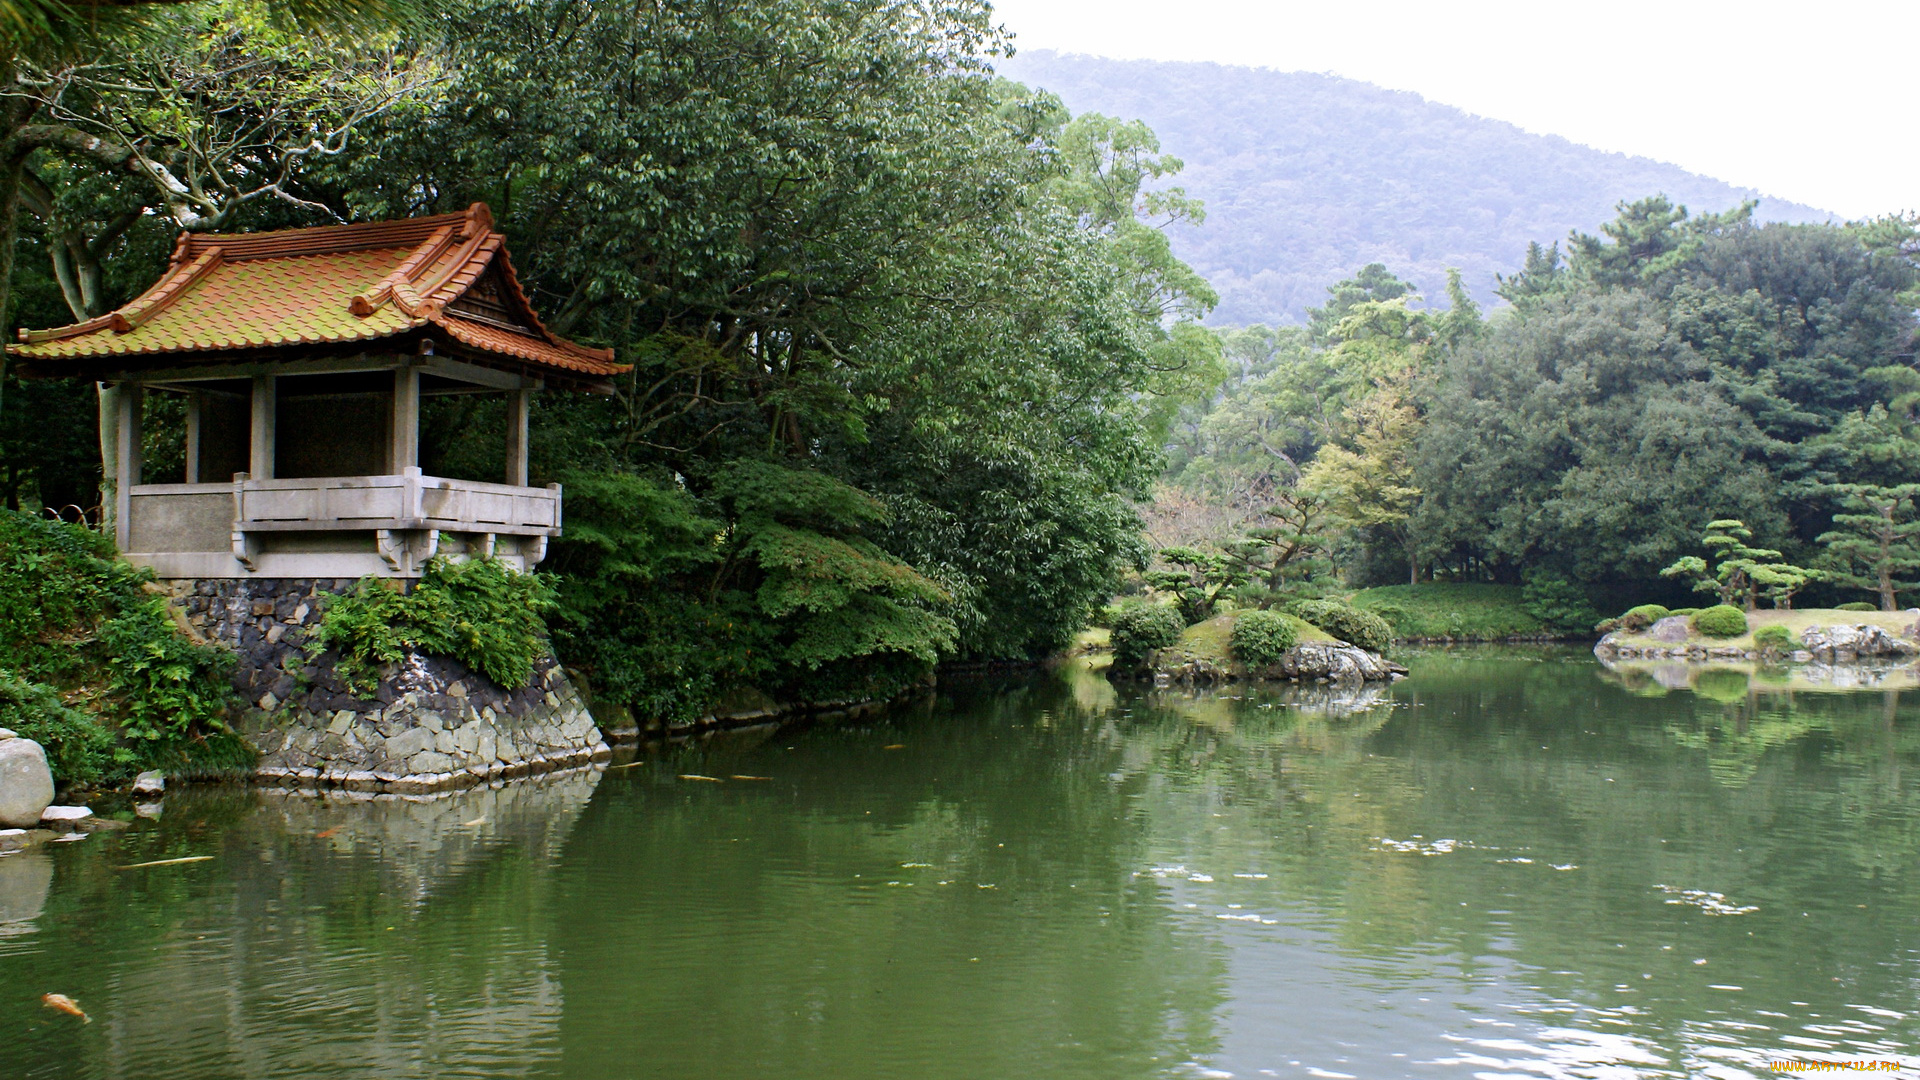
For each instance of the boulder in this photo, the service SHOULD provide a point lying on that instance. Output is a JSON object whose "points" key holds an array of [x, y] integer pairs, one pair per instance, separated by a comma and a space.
{"points": [[1335, 661], [150, 785], [26, 784], [1670, 629], [1828, 642]]}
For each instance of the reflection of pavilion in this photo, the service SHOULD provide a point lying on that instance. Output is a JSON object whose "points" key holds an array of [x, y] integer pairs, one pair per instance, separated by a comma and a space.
{"points": [[403, 933]]}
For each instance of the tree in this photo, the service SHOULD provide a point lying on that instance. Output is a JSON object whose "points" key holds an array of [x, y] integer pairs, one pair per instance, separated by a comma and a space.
{"points": [[1369, 482], [156, 95], [1291, 545], [1877, 547], [1739, 571], [1374, 283], [1195, 579]]}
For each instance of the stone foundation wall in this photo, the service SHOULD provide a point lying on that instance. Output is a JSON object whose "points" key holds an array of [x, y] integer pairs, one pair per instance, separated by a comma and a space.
{"points": [[430, 724]]}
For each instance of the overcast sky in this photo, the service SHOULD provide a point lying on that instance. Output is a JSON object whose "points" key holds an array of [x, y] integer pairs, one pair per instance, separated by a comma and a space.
{"points": [[1811, 102]]}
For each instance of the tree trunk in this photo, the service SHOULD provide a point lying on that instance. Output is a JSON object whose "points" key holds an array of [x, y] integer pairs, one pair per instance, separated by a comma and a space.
{"points": [[1886, 559], [10, 172]]}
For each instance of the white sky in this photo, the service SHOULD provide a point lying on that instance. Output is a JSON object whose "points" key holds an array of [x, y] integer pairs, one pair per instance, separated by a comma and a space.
{"points": [[1808, 101]]}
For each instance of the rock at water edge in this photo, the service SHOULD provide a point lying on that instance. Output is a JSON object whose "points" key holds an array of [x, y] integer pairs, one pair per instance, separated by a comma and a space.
{"points": [[150, 785], [26, 784]]}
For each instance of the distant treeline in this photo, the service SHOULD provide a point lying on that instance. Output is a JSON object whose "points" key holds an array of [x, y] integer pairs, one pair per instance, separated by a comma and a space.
{"points": [[1670, 371]]}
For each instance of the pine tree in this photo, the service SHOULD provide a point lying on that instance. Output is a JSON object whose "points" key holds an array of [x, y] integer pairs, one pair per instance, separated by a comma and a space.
{"points": [[1877, 547]]}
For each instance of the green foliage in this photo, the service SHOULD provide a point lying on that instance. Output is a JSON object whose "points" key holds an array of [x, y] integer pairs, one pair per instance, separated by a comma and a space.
{"points": [[479, 612], [1261, 638], [1196, 579], [1720, 621], [95, 659], [633, 609], [1457, 611], [1857, 605], [768, 580], [80, 748], [1559, 604], [1877, 546], [1142, 628], [1361, 629], [1740, 571], [170, 687], [1777, 638], [1687, 611]]}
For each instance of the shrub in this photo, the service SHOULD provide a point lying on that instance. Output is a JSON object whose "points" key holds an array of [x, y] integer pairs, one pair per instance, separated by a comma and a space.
{"points": [[1773, 637], [1559, 604], [89, 647], [1639, 618], [1721, 621], [171, 687], [1362, 629], [1687, 611], [80, 749], [1141, 629], [1262, 637], [1858, 605], [480, 612]]}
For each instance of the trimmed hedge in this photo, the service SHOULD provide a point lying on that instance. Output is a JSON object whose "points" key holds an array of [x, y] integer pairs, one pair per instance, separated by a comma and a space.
{"points": [[1361, 629], [1774, 637], [1261, 638], [1140, 630], [1858, 605], [1721, 621]]}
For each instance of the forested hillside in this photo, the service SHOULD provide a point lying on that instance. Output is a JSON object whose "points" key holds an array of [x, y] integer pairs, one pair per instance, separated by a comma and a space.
{"points": [[1682, 404], [1306, 178]]}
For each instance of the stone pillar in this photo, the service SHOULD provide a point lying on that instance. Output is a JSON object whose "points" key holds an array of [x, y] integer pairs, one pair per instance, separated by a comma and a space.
{"points": [[517, 403], [261, 430], [130, 406], [194, 403], [405, 451]]}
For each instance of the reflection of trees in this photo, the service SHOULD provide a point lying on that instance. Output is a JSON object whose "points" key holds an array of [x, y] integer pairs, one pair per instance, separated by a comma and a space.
{"points": [[829, 918], [1795, 803]]}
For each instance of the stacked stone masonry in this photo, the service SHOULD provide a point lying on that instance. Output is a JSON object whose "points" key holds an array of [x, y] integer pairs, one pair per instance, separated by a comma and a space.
{"points": [[430, 724]]}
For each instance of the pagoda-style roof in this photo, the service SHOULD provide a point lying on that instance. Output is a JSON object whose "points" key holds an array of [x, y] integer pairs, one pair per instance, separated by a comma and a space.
{"points": [[444, 280]]}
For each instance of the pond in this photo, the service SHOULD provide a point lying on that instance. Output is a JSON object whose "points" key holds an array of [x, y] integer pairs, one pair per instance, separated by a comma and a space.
{"points": [[1513, 863]]}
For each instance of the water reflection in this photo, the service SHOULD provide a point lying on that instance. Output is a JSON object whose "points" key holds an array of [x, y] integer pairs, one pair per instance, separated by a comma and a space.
{"points": [[25, 878], [1512, 863]]}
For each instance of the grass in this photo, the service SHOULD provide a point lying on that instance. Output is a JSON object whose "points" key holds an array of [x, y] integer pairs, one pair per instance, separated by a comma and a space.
{"points": [[1894, 622], [1455, 610]]}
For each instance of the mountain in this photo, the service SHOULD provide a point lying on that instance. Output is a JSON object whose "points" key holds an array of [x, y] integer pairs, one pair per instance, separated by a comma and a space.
{"points": [[1308, 177]]}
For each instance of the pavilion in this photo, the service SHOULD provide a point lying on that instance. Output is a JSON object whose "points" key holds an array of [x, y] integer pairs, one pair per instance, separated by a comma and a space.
{"points": [[302, 357]]}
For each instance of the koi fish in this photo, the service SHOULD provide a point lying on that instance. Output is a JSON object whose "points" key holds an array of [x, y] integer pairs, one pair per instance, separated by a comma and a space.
{"points": [[737, 776], [325, 834], [697, 776], [481, 820], [65, 1004], [895, 746]]}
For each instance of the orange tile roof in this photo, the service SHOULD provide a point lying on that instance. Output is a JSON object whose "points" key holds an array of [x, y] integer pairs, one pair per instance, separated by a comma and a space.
{"points": [[335, 284]]}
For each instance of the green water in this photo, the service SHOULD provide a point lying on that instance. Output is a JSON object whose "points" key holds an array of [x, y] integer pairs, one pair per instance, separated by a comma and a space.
{"points": [[1482, 872]]}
